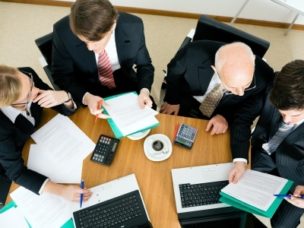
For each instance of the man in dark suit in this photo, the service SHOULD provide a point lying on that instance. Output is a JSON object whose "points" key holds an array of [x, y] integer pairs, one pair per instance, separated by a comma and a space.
{"points": [[96, 43], [278, 143], [202, 66], [22, 98]]}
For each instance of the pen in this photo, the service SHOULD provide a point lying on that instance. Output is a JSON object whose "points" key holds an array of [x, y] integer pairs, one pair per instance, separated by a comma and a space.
{"points": [[99, 106], [288, 196], [81, 195]]}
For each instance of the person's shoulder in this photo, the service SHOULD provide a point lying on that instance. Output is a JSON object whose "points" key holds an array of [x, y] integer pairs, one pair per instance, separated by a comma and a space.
{"points": [[27, 70], [62, 24], [263, 67], [128, 18]]}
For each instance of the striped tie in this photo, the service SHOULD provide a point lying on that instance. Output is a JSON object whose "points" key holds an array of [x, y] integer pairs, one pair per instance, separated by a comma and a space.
{"points": [[211, 101], [105, 73]]}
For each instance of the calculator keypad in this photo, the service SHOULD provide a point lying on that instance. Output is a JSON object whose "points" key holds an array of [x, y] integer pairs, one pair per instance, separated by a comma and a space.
{"points": [[186, 135], [105, 150]]}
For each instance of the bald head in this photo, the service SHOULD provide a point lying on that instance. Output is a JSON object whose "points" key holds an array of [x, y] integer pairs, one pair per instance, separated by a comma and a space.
{"points": [[235, 65]]}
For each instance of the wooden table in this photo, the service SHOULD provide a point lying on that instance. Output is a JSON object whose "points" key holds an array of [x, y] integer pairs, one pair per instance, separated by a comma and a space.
{"points": [[154, 178]]}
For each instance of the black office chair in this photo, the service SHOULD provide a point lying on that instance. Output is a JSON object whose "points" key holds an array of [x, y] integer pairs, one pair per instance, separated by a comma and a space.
{"points": [[210, 29], [44, 44]]}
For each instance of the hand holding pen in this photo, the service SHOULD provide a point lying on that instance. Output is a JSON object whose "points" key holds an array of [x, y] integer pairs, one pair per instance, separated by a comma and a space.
{"points": [[95, 104], [297, 198]]}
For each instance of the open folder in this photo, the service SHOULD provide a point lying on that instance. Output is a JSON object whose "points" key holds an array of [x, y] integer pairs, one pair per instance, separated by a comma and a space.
{"points": [[126, 117], [255, 191]]}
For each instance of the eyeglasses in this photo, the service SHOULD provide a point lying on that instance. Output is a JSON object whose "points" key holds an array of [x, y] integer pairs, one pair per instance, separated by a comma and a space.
{"points": [[28, 97]]}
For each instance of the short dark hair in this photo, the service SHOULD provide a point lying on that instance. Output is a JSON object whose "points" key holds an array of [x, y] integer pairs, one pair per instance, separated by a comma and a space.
{"points": [[288, 89], [92, 18]]}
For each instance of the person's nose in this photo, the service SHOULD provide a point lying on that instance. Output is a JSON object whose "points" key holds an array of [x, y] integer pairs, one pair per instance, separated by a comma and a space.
{"points": [[239, 91], [286, 119]]}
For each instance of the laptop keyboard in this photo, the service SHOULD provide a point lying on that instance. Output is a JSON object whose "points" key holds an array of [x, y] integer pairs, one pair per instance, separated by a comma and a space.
{"points": [[121, 211], [193, 195]]}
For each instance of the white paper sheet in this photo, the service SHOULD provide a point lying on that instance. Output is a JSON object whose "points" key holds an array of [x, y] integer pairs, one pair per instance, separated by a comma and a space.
{"points": [[128, 116], [59, 170], [60, 150], [46, 210], [256, 188], [12, 218]]}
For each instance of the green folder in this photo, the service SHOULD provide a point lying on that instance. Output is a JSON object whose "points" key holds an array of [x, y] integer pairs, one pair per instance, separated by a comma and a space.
{"points": [[118, 134], [225, 198]]}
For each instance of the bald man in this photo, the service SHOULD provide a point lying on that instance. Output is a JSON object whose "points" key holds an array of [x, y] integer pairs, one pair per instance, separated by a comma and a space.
{"points": [[243, 78]]}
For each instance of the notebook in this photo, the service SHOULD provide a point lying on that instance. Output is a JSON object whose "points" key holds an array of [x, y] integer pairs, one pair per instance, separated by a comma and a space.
{"points": [[119, 204], [210, 178]]}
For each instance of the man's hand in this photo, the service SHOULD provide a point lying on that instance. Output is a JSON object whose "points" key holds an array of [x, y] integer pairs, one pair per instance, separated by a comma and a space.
{"points": [[95, 104], [237, 172], [144, 98], [294, 199], [50, 98], [217, 125], [69, 192], [169, 109]]}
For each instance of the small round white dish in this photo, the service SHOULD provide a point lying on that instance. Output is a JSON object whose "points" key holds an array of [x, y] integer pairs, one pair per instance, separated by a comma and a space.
{"points": [[139, 135], [157, 147]]}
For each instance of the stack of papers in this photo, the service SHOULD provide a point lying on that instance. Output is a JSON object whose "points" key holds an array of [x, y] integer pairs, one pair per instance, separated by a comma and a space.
{"points": [[255, 191], [126, 117], [60, 150]]}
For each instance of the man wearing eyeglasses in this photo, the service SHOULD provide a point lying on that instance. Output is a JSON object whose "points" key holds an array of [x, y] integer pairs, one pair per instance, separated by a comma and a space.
{"points": [[23, 95], [224, 83]]}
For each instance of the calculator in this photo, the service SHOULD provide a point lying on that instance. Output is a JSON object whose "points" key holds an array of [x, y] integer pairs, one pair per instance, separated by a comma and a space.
{"points": [[105, 150], [185, 135]]}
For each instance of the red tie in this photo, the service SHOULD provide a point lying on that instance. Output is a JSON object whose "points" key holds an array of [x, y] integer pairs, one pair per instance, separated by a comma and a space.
{"points": [[105, 73]]}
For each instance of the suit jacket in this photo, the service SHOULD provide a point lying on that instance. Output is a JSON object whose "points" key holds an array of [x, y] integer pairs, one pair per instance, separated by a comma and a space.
{"points": [[75, 69], [289, 156], [189, 74], [13, 137]]}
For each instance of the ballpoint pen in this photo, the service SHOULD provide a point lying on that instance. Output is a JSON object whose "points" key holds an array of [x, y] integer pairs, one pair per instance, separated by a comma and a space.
{"points": [[99, 106], [288, 196], [81, 195]]}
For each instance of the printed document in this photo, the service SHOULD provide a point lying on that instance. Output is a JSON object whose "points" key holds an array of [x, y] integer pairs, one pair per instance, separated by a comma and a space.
{"points": [[256, 189], [125, 112]]}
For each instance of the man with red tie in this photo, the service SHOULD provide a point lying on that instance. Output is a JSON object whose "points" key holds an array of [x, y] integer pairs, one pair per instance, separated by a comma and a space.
{"points": [[99, 52]]}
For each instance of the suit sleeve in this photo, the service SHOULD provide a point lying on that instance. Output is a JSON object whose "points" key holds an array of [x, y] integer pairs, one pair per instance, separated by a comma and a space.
{"points": [[240, 126], [175, 78], [42, 85], [63, 68], [13, 164], [144, 67]]}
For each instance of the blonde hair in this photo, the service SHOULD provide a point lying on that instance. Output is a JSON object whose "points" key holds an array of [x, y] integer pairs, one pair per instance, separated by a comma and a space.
{"points": [[10, 85]]}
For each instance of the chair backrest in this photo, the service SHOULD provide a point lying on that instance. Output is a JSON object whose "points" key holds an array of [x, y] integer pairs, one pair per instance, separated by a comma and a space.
{"points": [[45, 44], [210, 29]]}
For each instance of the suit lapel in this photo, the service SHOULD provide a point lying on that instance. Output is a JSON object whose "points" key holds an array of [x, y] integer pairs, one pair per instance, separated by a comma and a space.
{"points": [[204, 77], [123, 43], [275, 123], [24, 125]]}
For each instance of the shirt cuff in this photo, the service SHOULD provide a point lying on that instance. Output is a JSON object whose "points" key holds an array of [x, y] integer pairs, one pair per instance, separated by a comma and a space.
{"points": [[84, 97], [42, 186], [240, 160], [145, 90]]}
